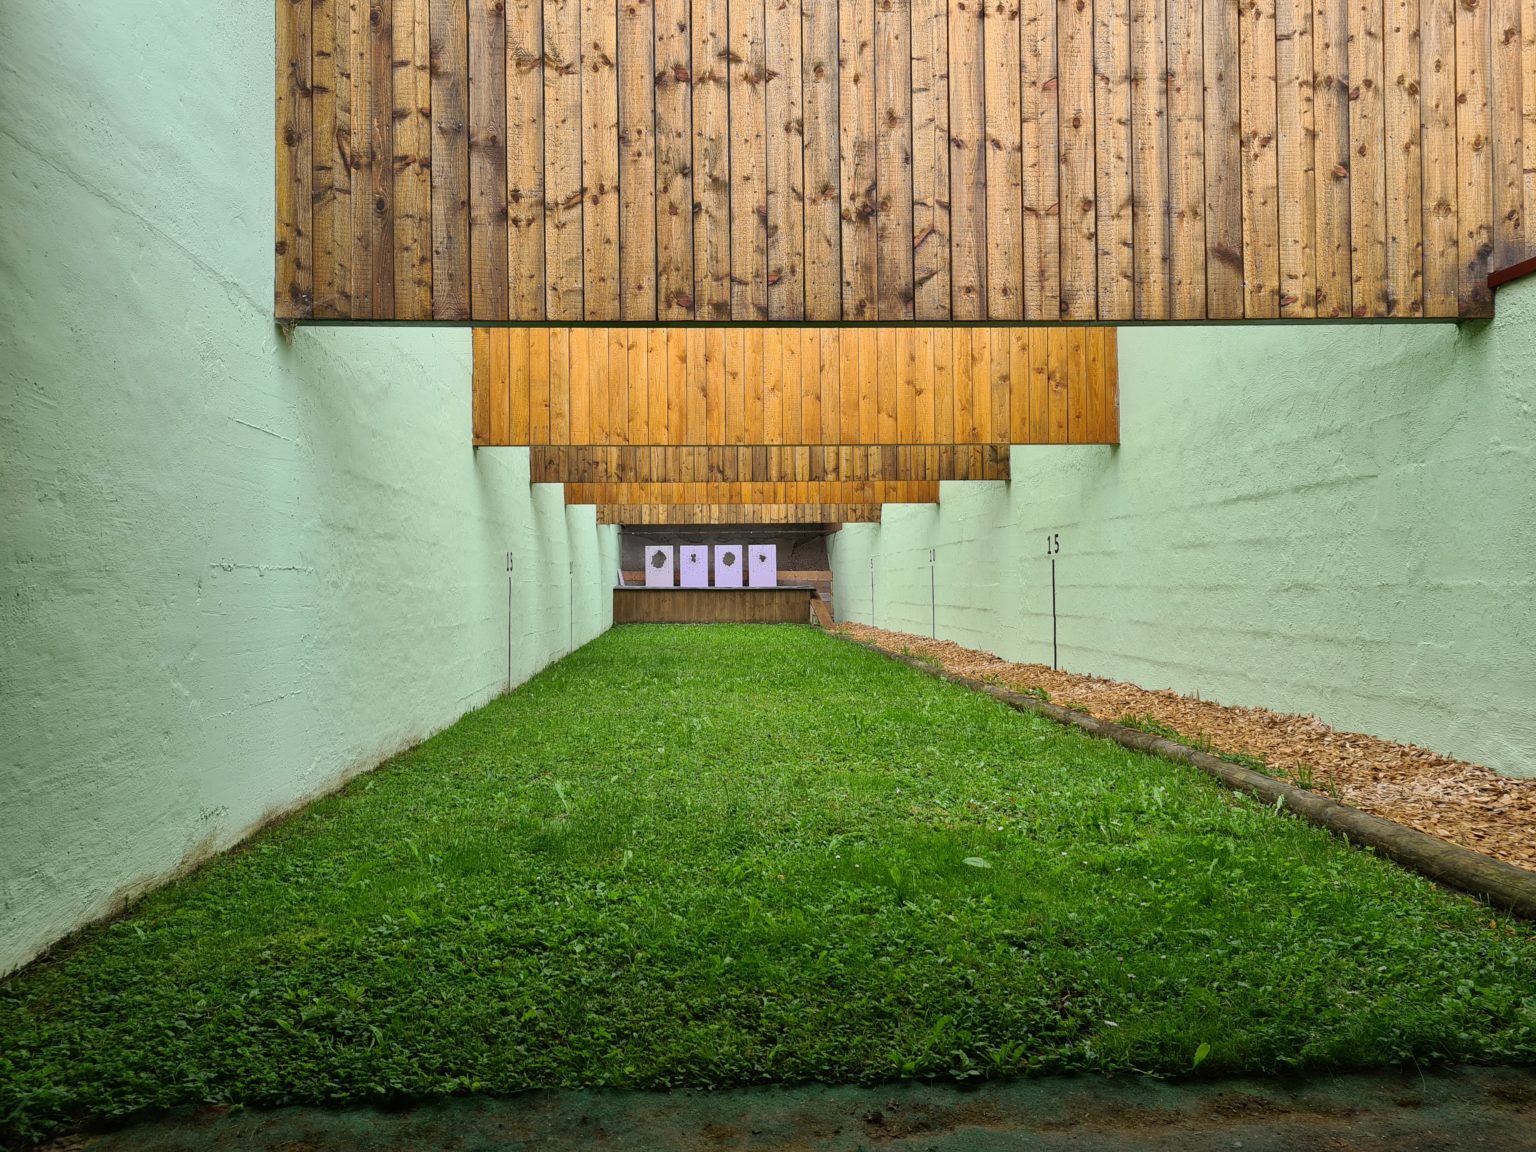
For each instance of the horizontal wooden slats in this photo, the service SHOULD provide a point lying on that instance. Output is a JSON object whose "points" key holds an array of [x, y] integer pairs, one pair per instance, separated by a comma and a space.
{"points": [[902, 160], [706, 387], [717, 514], [756, 464], [793, 492]]}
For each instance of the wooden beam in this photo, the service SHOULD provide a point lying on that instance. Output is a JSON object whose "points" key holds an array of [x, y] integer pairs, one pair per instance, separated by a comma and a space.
{"points": [[716, 514], [770, 492], [786, 386], [771, 463]]}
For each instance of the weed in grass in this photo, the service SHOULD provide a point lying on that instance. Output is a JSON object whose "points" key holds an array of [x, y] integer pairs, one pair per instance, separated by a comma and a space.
{"points": [[1247, 760], [736, 855], [1038, 693]]}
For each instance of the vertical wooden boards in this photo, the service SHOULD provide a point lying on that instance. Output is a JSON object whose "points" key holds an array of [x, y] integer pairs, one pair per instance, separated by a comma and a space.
{"points": [[637, 160], [748, 161], [1367, 170], [600, 382], [674, 161], [363, 154], [791, 405], [295, 291], [450, 161], [509, 405], [1090, 398], [981, 387], [675, 353], [583, 360], [488, 245], [822, 183], [735, 386], [525, 158], [620, 387], [1437, 104], [482, 380], [1510, 244], [1000, 340], [792, 422], [869, 376], [1041, 210], [331, 184], [784, 156], [711, 161], [847, 340], [930, 159], [1039, 387], [967, 161], [1295, 131], [1528, 116], [1004, 160], [1473, 163], [894, 250], [899, 161], [558, 369], [1223, 162], [1111, 386], [1261, 191], [411, 166], [600, 159], [1331, 156], [812, 368], [1149, 157], [1112, 157], [713, 398], [856, 155], [772, 426], [637, 352], [1404, 290], [658, 424], [563, 143], [537, 370], [1186, 159], [944, 385], [514, 347], [831, 386], [1056, 387], [1077, 376], [753, 385], [963, 366], [1079, 213], [886, 386]]}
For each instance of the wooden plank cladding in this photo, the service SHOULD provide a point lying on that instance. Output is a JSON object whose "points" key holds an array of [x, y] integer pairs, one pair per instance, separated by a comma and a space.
{"points": [[712, 605], [672, 387], [703, 514], [770, 463], [900, 161], [789, 492]]}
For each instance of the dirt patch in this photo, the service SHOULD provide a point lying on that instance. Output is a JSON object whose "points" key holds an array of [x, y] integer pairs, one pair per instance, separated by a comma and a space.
{"points": [[1467, 1108], [1462, 803]]}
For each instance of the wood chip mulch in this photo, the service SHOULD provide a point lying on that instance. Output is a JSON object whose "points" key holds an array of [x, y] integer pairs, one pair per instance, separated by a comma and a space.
{"points": [[1463, 803]]}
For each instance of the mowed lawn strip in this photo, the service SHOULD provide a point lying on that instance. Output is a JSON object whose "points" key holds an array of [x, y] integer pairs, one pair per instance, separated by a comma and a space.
{"points": [[729, 855]]}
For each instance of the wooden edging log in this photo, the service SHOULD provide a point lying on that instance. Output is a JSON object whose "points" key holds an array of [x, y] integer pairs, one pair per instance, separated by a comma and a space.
{"points": [[1500, 884]]}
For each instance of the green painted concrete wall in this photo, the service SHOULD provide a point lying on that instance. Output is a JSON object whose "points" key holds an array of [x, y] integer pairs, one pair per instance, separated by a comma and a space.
{"points": [[232, 572], [1336, 520]]}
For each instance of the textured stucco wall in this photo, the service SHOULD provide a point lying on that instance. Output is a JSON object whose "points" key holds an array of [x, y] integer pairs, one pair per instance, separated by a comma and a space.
{"points": [[231, 571], [1338, 520]]}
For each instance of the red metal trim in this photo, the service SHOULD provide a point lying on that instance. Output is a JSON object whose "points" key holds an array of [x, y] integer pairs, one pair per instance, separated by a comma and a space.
{"points": [[1513, 272]]}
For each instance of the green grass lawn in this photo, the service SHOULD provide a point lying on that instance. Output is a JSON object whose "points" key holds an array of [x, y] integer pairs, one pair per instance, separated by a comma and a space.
{"points": [[733, 855]]}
